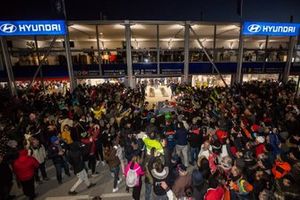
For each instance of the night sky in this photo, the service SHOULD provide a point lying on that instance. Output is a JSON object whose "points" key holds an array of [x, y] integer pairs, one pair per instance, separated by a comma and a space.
{"points": [[206, 10]]}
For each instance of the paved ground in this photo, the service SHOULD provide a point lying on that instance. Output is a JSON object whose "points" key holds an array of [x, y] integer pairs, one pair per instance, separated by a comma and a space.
{"points": [[51, 190]]}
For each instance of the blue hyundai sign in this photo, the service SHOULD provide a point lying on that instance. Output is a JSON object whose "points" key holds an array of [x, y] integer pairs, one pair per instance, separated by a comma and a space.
{"points": [[272, 29], [50, 27]]}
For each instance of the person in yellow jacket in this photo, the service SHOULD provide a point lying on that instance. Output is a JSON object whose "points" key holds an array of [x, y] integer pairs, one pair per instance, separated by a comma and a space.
{"points": [[150, 142], [66, 135], [99, 111]]}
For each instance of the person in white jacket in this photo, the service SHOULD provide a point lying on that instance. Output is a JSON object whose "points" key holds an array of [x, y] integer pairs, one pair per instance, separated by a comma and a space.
{"points": [[38, 151], [205, 149]]}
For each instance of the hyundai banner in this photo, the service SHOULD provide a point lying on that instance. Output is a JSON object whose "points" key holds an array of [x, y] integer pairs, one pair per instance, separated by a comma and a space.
{"points": [[14, 28], [272, 29]]}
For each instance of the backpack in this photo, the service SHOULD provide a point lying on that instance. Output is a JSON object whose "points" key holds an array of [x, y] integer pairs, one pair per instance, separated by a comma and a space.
{"points": [[132, 178], [280, 169]]}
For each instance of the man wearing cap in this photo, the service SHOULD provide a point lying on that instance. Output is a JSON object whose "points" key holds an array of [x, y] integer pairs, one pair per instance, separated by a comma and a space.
{"points": [[57, 152]]}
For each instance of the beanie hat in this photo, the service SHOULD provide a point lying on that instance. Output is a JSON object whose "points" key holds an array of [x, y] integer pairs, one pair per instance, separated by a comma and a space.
{"points": [[255, 127], [240, 163], [197, 178], [222, 135], [167, 116], [248, 156], [53, 139]]}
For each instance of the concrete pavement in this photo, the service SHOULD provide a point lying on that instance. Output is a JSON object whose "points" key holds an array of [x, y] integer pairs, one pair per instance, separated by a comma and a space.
{"points": [[51, 190]]}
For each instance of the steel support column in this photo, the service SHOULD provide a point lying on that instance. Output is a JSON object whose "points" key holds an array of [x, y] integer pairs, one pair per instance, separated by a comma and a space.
{"points": [[297, 89], [68, 51], [8, 66], [239, 77], [157, 49], [69, 60], [128, 54], [1, 61], [288, 64], [99, 51], [214, 44], [186, 52]]}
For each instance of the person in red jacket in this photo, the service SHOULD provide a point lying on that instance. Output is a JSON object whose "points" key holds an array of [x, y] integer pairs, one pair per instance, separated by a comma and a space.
{"points": [[90, 141], [215, 190], [24, 167]]}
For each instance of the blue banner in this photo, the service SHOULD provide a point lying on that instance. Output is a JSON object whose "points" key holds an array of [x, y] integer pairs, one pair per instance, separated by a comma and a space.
{"points": [[50, 27], [272, 29]]}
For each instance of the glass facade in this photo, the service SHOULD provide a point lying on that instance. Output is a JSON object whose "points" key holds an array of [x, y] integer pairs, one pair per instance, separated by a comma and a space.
{"points": [[157, 48]]}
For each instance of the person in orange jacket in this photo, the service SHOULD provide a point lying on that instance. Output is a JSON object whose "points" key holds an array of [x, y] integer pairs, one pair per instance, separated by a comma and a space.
{"points": [[240, 187]]}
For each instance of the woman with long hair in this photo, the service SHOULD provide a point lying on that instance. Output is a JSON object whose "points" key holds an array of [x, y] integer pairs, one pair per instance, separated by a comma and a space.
{"points": [[133, 174]]}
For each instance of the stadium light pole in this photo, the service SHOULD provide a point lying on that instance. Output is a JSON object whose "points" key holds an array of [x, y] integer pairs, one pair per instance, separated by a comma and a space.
{"points": [[239, 78], [287, 68], [214, 44], [157, 49], [186, 52], [128, 54], [99, 51], [68, 51]]}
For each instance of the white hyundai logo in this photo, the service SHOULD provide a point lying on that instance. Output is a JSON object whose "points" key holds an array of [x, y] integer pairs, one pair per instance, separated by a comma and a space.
{"points": [[254, 28], [8, 28]]}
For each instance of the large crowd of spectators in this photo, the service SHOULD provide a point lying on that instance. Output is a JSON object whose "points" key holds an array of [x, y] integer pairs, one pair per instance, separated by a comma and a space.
{"points": [[239, 142]]}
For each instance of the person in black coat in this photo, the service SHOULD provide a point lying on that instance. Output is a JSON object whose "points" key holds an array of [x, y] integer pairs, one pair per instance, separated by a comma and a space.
{"points": [[199, 185], [57, 153], [195, 138], [159, 173], [75, 158], [6, 178]]}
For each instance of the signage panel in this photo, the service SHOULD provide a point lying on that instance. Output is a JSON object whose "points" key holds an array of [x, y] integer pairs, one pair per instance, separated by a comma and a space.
{"points": [[272, 29], [49, 27]]}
